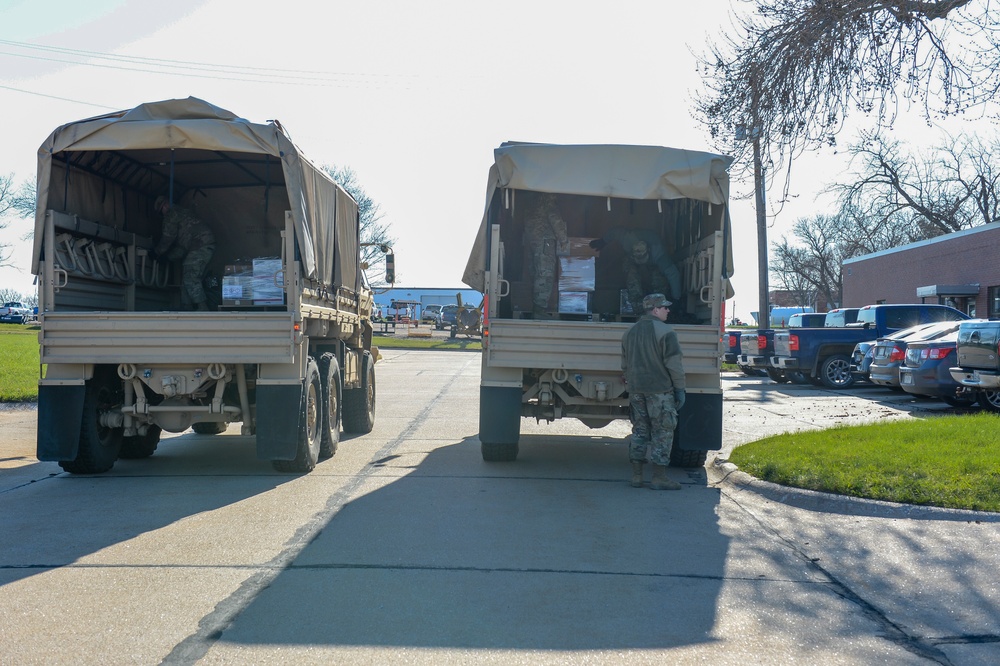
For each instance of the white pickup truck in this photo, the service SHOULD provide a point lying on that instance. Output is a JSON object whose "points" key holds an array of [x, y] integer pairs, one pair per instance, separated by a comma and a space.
{"points": [[14, 312]]}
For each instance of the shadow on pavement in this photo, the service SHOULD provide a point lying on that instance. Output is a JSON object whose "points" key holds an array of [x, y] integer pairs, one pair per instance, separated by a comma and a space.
{"points": [[553, 552]]}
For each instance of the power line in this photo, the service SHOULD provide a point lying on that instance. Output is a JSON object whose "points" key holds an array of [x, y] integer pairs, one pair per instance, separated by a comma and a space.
{"points": [[61, 99], [196, 69]]}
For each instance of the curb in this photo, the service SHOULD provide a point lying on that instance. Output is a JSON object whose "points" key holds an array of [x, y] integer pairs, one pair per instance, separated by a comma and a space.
{"points": [[722, 472]]}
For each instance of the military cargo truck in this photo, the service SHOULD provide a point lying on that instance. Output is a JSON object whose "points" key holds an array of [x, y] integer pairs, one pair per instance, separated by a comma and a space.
{"points": [[564, 361], [284, 347]]}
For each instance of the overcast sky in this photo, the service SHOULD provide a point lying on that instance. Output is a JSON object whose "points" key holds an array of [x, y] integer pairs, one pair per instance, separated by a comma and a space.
{"points": [[414, 96]]}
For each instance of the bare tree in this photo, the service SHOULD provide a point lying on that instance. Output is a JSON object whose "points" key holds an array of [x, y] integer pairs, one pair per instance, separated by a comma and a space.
{"points": [[374, 231], [952, 187], [812, 264], [792, 70], [6, 205], [28, 300]]}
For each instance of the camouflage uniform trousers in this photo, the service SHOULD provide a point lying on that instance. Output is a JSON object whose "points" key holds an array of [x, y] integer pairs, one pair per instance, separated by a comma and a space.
{"points": [[545, 274], [192, 272], [654, 419]]}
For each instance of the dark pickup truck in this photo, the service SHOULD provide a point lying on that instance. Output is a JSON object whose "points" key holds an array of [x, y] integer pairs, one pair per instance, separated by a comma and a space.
{"points": [[824, 354], [757, 347], [977, 355], [759, 353]]}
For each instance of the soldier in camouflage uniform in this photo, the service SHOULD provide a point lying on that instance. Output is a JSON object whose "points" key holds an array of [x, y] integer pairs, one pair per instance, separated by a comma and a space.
{"points": [[654, 374], [545, 232], [186, 238], [647, 267]]}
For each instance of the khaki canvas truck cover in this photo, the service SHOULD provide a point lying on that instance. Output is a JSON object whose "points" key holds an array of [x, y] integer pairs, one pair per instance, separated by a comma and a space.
{"points": [[328, 254], [619, 171]]}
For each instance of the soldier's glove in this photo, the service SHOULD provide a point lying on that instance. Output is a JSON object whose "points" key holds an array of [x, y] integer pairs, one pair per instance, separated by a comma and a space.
{"points": [[679, 398], [598, 243]]}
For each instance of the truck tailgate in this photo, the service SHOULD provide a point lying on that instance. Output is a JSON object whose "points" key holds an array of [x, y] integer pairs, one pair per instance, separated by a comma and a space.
{"points": [[593, 347], [977, 345], [781, 343], [167, 337]]}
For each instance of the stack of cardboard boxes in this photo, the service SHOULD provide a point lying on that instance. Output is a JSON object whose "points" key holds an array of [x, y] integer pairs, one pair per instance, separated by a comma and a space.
{"points": [[252, 283], [577, 277]]}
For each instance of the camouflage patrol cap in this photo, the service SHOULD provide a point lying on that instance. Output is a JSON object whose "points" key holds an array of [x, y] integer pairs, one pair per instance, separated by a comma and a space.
{"points": [[655, 301], [640, 252]]}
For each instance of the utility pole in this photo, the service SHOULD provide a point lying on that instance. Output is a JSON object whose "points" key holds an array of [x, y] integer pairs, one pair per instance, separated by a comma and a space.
{"points": [[763, 318]]}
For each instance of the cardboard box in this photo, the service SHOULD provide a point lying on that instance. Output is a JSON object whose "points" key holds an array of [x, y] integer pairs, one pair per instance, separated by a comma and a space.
{"points": [[574, 302], [237, 285], [265, 291], [577, 273], [580, 247]]}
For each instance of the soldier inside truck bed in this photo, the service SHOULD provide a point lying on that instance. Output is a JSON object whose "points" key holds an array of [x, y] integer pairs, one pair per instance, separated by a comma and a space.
{"points": [[186, 238], [647, 267]]}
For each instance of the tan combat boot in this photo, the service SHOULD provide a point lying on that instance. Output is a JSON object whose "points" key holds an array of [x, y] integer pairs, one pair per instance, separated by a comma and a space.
{"points": [[636, 475], [660, 480]]}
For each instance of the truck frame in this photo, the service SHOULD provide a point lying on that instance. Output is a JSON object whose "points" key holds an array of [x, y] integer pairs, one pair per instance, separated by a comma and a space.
{"points": [[569, 365], [285, 351]]}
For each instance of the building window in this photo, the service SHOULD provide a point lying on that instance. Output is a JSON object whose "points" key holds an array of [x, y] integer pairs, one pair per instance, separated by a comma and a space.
{"points": [[993, 302]]}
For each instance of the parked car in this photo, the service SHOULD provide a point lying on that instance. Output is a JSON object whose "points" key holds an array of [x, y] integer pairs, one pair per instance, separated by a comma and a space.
{"points": [[449, 315], [431, 314], [889, 352], [925, 371], [861, 360]]}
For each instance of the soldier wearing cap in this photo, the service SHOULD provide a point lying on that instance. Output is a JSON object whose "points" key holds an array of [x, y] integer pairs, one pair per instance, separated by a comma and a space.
{"points": [[654, 375], [186, 238], [647, 267]]}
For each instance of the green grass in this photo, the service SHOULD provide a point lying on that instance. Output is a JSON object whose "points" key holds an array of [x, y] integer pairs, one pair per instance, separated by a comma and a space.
{"points": [[459, 343], [946, 461], [18, 363]]}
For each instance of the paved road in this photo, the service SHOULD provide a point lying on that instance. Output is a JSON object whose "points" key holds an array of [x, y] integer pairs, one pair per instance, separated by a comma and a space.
{"points": [[406, 547]]}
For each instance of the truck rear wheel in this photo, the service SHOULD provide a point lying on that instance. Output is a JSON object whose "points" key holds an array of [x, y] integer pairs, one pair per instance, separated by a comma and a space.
{"points": [[835, 372], [310, 433], [329, 372], [99, 445], [499, 422], [682, 458], [141, 446], [359, 403]]}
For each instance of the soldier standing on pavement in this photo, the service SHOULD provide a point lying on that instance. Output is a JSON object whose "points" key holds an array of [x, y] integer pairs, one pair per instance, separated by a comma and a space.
{"points": [[545, 232], [654, 374], [184, 237]]}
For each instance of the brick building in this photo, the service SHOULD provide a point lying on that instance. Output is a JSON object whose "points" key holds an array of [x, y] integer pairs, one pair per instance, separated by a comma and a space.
{"points": [[961, 269]]}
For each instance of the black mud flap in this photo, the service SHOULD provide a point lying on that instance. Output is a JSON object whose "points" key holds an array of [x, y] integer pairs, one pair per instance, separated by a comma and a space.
{"points": [[699, 424], [60, 413], [499, 414], [278, 412]]}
